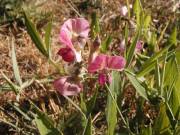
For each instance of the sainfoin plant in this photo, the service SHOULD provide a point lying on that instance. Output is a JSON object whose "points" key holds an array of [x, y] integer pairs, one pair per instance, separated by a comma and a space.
{"points": [[85, 55]]}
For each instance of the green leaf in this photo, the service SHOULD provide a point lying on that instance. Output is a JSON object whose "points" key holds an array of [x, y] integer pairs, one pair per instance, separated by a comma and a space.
{"points": [[162, 124], [131, 50], [95, 27], [147, 131], [147, 21], [44, 127], [137, 11], [88, 128], [173, 37], [172, 77], [44, 124], [48, 37], [35, 36], [105, 44], [149, 65], [137, 85], [91, 103], [111, 113], [157, 77], [15, 65]]}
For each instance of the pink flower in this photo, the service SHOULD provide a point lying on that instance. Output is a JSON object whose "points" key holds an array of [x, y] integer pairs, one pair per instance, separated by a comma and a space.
{"points": [[67, 87], [103, 61], [74, 34]]}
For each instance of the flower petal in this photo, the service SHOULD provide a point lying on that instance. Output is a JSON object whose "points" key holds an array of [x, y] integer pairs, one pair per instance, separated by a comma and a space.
{"points": [[99, 63], [81, 27], [67, 88], [116, 63], [65, 38]]}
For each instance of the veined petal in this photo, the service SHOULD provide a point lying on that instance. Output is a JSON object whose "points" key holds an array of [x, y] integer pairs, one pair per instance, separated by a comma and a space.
{"points": [[78, 56], [81, 27], [116, 63], [99, 63], [67, 88], [65, 39]]}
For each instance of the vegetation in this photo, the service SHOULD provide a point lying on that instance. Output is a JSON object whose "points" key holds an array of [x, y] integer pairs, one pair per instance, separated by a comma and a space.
{"points": [[114, 73]]}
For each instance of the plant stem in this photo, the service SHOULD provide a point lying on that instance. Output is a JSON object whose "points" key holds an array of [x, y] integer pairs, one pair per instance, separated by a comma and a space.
{"points": [[76, 106]]}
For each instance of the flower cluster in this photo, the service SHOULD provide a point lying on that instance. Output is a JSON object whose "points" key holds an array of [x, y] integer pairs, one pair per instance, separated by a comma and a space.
{"points": [[73, 37]]}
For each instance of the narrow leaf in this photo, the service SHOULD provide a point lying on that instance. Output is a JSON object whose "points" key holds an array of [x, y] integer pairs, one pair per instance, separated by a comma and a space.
{"points": [[131, 50], [15, 64], [173, 37], [35, 36], [137, 85], [88, 128], [44, 124], [48, 37], [111, 113], [105, 44]]}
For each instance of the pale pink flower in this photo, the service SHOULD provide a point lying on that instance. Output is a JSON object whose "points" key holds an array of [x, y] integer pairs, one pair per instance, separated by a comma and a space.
{"points": [[74, 34], [66, 87], [103, 61], [124, 10]]}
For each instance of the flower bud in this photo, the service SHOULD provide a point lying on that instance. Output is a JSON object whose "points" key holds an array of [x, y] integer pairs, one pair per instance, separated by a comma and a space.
{"points": [[96, 43], [67, 54]]}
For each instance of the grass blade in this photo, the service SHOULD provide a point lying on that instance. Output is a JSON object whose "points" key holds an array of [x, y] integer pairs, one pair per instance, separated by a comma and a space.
{"points": [[88, 128], [15, 64]]}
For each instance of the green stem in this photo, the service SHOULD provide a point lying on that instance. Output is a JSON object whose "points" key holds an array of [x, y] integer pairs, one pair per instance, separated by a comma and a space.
{"points": [[76, 106]]}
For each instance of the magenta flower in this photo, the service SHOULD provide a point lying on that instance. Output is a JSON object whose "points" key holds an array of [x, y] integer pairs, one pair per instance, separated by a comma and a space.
{"points": [[74, 34], [67, 87], [104, 78], [103, 61]]}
